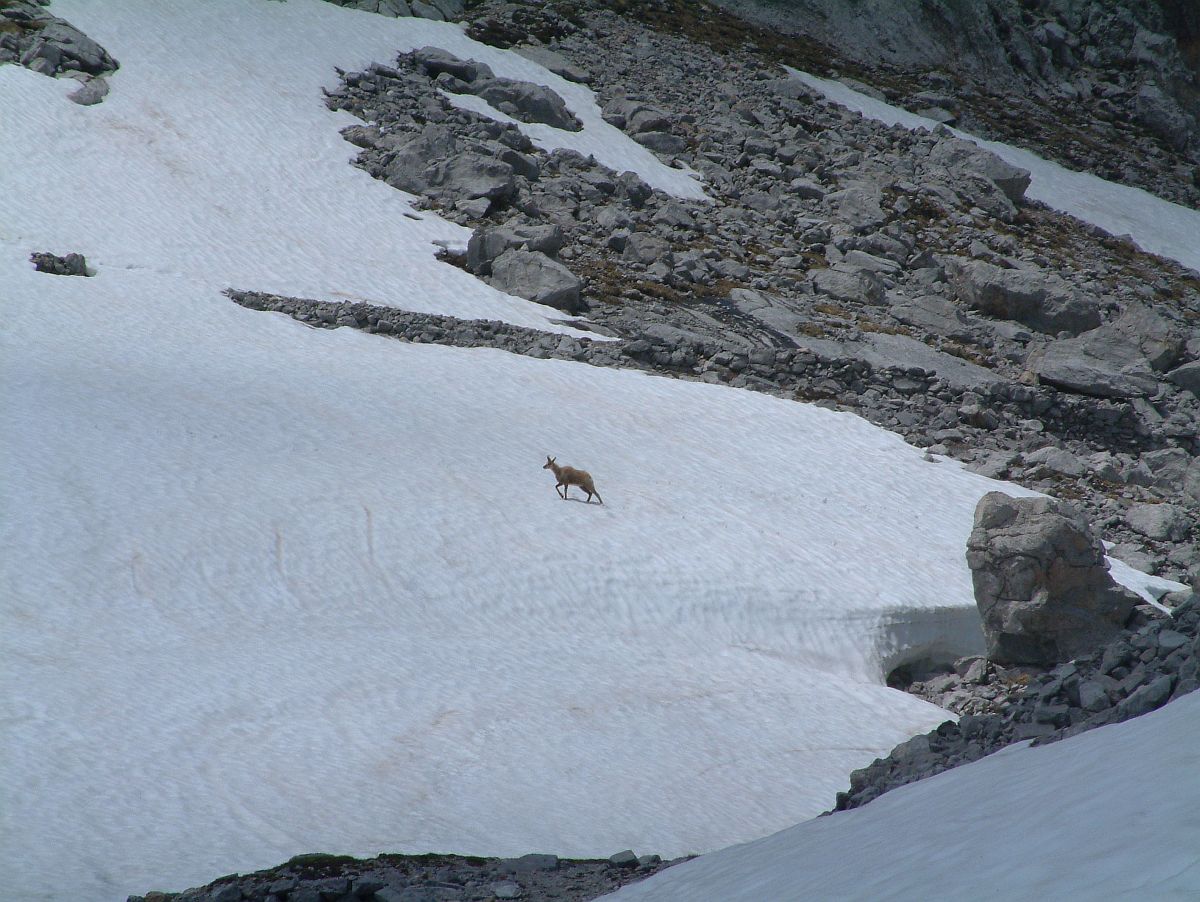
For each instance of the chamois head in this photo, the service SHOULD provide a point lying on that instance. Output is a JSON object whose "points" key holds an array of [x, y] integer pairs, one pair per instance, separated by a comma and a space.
{"points": [[549, 463]]}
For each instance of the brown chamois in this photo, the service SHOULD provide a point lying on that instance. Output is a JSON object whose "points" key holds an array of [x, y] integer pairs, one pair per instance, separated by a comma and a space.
{"points": [[569, 476]]}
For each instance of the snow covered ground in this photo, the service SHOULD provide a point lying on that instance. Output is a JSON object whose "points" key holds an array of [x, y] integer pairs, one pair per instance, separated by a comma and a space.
{"points": [[1156, 225], [1108, 815], [266, 589]]}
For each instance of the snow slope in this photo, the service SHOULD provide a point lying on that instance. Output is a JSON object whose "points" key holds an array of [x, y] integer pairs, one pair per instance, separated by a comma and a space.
{"points": [[1108, 815], [213, 157], [266, 589], [1155, 225]]}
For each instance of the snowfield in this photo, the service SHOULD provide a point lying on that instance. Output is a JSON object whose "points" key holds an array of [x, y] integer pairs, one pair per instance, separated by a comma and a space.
{"points": [[1108, 815], [266, 589]]}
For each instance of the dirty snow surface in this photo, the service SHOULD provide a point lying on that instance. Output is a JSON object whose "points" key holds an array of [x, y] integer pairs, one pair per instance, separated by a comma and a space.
{"points": [[267, 590]]}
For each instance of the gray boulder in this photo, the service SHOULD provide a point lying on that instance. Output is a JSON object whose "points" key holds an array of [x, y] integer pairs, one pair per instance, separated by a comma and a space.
{"points": [[468, 176], [534, 276], [407, 168], [67, 265], [487, 244], [849, 283], [1162, 116], [91, 93], [77, 50], [531, 102], [860, 206], [391, 8], [555, 62], [433, 61], [427, 11], [932, 312], [661, 142], [1040, 301], [1163, 522], [771, 310], [1105, 363], [1041, 582], [1187, 377], [451, 9], [645, 248], [962, 156]]}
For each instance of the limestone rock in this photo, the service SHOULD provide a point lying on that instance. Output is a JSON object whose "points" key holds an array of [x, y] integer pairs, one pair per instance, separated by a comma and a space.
{"points": [[849, 283], [433, 61], [1163, 522], [391, 8], [1105, 362], [859, 205], [1187, 377], [532, 102], [534, 276], [643, 247], [468, 176], [1043, 302], [487, 244], [90, 93], [68, 265], [555, 62], [661, 142], [959, 156], [1041, 581]]}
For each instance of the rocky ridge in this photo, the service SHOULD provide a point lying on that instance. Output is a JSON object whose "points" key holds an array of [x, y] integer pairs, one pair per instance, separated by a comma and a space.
{"points": [[1098, 85], [425, 878]]}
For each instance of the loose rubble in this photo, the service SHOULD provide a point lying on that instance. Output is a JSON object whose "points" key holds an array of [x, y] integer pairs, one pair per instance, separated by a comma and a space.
{"points": [[426, 878]]}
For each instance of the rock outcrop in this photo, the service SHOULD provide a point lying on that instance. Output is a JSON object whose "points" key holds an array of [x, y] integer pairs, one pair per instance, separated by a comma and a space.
{"points": [[1041, 581], [44, 43], [66, 265]]}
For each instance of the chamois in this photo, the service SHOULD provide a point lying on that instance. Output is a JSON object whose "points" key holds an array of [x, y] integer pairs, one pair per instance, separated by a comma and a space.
{"points": [[569, 476]]}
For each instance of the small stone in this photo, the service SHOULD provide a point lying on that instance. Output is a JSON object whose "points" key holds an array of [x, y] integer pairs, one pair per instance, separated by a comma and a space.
{"points": [[506, 889]]}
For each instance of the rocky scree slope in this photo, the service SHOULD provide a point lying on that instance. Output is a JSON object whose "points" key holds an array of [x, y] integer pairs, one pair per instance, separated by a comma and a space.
{"points": [[1099, 85]]}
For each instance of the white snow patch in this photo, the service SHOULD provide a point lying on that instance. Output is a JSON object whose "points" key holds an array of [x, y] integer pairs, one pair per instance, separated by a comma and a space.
{"points": [[1110, 814], [1155, 225]]}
